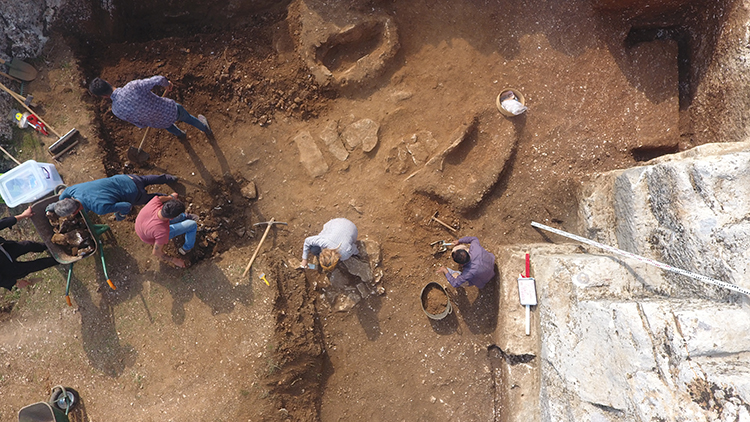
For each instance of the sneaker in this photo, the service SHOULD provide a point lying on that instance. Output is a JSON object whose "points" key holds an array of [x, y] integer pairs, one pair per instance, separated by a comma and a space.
{"points": [[203, 120], [192, 217], [119, 217], [182, 251]]}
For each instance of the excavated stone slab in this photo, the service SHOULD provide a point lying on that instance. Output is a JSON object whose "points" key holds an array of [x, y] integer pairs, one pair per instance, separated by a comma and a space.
{"points": [[332, 139], [310, 155], [363, 132]]}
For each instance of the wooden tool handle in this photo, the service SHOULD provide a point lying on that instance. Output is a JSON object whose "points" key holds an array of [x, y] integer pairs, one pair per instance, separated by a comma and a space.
{"points": [[16, 96], [140, 146], [11, 157], [270, 223]]}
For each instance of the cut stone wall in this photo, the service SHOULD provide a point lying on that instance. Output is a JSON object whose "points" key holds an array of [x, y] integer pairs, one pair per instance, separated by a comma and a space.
{"points": [[616, 339]]}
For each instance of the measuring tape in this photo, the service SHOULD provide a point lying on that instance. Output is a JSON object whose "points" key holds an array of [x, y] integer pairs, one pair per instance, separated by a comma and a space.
{"points": [[649, 261]]}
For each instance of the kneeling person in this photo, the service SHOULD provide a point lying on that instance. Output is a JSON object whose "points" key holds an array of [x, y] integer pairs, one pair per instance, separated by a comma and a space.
{"points": [[162, 219], [477, 265]]}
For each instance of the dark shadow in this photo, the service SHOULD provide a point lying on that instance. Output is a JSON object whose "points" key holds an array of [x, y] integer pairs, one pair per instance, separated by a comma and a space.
{"points": [[695, 29], [198, 163], [480, 316], [447, 325], [206, 282], [99, 333], [223, 163], [367, 313], [79, 412], [649, 153]]}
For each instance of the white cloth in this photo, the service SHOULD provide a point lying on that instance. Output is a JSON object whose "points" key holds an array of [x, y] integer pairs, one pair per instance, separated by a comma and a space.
{"points": [[514, 106]]}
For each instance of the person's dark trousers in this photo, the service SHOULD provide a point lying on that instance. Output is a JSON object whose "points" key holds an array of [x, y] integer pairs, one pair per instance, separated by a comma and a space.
{"points": [[20, 269], [142, 181]]}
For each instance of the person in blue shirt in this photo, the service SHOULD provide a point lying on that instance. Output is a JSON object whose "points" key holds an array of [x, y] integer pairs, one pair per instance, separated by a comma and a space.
{"points": [[477, 265], [116, 194]]}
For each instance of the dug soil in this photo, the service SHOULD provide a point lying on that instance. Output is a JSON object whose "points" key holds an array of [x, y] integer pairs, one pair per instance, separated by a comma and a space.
{"points": [[434, 300], [206, 344]]}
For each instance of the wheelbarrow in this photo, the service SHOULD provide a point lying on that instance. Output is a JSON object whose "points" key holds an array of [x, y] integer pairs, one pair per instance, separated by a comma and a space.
{"points": [[44, 228], [55, 410]]}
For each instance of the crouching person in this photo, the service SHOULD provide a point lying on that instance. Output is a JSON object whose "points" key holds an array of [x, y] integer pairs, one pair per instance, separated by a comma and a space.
{"points": [[163, 218], [477, 265]]}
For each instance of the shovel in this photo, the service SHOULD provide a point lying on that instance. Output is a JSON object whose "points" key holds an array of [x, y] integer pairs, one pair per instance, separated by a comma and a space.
{"points": [[138, 155], [19, 69]]}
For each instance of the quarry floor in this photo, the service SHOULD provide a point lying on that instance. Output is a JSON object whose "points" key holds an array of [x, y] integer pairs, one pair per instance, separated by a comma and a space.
{"points": [[198, 344]]}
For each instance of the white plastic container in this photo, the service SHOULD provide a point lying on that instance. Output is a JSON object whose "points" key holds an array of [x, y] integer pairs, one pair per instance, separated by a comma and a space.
{"points": [[28, 182]]}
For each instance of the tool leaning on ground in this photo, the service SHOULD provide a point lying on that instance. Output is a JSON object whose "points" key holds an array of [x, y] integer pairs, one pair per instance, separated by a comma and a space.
{"points": [[434, 218], [270, 223], [62, 141], [138, 155], [20, 70]]}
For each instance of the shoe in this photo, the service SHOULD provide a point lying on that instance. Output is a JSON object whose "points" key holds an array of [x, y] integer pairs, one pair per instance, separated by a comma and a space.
{"points": [[119, 217], [182, 251], [171, 179], [203, 120], [192, 217]]}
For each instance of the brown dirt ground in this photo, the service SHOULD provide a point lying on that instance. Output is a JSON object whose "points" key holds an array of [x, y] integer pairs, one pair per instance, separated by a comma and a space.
{"points": [[204, 344]]}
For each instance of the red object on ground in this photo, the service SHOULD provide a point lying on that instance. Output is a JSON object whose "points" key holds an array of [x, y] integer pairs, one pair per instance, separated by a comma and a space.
{"points": [[528, 266], [36, 124]]}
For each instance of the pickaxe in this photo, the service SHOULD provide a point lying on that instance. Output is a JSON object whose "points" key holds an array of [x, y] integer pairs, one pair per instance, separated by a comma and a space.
{"points": [[270, 223], [434, 217]]}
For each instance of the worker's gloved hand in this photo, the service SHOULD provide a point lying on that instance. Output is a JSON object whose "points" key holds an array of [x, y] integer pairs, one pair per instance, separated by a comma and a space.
{"points": [[50, 207]]}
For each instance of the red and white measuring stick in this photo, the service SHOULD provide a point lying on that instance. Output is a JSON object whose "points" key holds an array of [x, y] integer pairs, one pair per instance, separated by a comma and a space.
{"points": [[649, 261]]}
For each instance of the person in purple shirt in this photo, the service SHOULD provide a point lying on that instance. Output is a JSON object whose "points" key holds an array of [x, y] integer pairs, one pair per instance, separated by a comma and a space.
{"points": [[478, 265], [135, 103]]}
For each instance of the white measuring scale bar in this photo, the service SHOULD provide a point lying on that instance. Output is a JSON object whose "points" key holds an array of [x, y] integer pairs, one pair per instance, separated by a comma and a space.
{"points": [[649, 261]]}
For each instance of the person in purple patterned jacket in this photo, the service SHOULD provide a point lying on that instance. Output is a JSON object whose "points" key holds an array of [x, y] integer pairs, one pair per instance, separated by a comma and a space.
{"points": [[477, 265], [135, 103]]}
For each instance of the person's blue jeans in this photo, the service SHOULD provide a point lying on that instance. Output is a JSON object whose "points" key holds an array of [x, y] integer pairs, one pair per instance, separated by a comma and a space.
{"points": [[182, 225], [122, 209], [184, 116]]}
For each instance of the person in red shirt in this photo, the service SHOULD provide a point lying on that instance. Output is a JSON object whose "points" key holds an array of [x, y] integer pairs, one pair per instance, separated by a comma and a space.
{"points": [[162, 219]]}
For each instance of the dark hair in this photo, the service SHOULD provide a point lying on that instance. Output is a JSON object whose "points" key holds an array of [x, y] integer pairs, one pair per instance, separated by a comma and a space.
{"points": [[460, 256], [172, 209], [66, 207], [100, 87]]}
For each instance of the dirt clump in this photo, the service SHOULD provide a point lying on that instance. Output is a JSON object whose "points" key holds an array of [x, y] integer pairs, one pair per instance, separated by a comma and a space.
{"points": [[434, 300]]}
